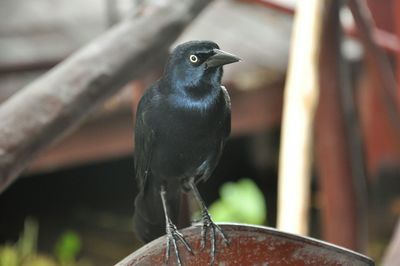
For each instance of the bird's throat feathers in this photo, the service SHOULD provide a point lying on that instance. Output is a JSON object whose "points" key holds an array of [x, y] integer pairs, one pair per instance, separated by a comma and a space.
{"points": [[194, 92], [187, 79]]}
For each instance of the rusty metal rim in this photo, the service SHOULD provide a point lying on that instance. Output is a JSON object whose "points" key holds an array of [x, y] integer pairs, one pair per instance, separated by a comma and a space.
{"points": [[189, 231], [310, 240]]}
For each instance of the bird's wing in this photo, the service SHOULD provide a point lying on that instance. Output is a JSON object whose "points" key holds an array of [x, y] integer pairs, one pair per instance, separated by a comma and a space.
{"points": [[144, 140], [212, 161], [227, 122]]}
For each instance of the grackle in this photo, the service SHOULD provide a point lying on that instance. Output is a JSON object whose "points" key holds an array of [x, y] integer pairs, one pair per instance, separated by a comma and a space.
{"points": [[182, 124]]}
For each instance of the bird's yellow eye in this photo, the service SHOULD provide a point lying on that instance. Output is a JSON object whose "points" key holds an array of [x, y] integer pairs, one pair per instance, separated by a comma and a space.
{"points": [[194, 59]]}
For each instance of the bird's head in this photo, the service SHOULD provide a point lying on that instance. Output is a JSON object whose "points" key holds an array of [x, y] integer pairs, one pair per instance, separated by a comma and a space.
{"points": [[197, 62]]}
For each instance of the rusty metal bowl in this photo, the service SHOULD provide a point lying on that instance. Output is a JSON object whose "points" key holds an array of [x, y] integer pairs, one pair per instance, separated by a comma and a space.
{"points": [[250, 245]]}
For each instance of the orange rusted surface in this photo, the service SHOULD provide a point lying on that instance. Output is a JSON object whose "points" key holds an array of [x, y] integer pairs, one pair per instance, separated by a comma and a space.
{"points": [[250, 245]]}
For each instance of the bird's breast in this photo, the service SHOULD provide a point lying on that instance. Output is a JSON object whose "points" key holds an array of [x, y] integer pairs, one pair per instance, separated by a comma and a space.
{"points": [[189, 133], [194, 104]]}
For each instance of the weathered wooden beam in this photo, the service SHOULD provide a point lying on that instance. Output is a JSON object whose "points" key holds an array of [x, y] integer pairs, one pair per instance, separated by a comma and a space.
{"points": [[396, 15], [392, 254], [56, 103], [300, 100], [381, 62], [339, 201]]}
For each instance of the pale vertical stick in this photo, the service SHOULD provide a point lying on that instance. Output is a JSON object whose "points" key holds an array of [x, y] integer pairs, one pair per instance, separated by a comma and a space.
{"points": [[392, 254], [300, 100]]}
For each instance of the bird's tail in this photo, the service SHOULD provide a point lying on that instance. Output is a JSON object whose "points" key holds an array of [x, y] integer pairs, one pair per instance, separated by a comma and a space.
{"points": [[149, 217]]}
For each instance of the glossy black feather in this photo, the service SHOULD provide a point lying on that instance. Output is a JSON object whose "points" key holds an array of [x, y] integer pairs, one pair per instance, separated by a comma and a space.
{"points": [[182, 124]]}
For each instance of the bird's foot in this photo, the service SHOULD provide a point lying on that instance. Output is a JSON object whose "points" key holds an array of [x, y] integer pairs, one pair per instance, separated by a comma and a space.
{"points": [[173, 235], [214, 228]]}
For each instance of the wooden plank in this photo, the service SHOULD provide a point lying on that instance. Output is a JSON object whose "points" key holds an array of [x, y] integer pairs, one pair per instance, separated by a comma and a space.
{"points": [[392, 255], [300, 99], [57, 103], [338, 194]]}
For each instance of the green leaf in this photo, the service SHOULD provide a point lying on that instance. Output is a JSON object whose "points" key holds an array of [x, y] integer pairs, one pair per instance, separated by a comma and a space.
{"points": [[68, 247], [241, 202], [8, 256]]}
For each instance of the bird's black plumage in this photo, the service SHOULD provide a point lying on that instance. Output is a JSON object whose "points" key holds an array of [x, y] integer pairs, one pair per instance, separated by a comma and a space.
{"points": [[182, 124]]}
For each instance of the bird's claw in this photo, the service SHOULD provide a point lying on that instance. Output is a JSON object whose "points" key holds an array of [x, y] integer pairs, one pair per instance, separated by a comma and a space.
{"points": [[173, 235], [209, 224]]}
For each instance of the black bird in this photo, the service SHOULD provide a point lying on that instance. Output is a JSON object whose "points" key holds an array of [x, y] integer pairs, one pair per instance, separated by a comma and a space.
{"points": [[182, 124]]}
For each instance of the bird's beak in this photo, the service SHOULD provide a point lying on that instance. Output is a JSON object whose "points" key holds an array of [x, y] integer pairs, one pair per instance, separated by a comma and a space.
{"points": [[221, 58]]}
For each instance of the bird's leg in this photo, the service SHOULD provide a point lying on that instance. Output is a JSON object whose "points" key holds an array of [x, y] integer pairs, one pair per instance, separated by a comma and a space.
{"points": [[207, 224], [173, 234]]}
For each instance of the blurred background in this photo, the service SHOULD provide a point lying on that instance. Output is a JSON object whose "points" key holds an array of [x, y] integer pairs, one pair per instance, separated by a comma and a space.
{"points": [[73, 204]]}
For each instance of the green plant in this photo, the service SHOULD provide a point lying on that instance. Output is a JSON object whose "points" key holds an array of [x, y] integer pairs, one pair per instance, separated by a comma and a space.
{"points": [[24, 252], [241, 202], [67, 248], [8, 256]]}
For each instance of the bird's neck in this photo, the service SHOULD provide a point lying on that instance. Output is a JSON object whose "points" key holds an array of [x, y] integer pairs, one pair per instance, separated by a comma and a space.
{"points": [[197, 88], [197, 91], [201, 97]]}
